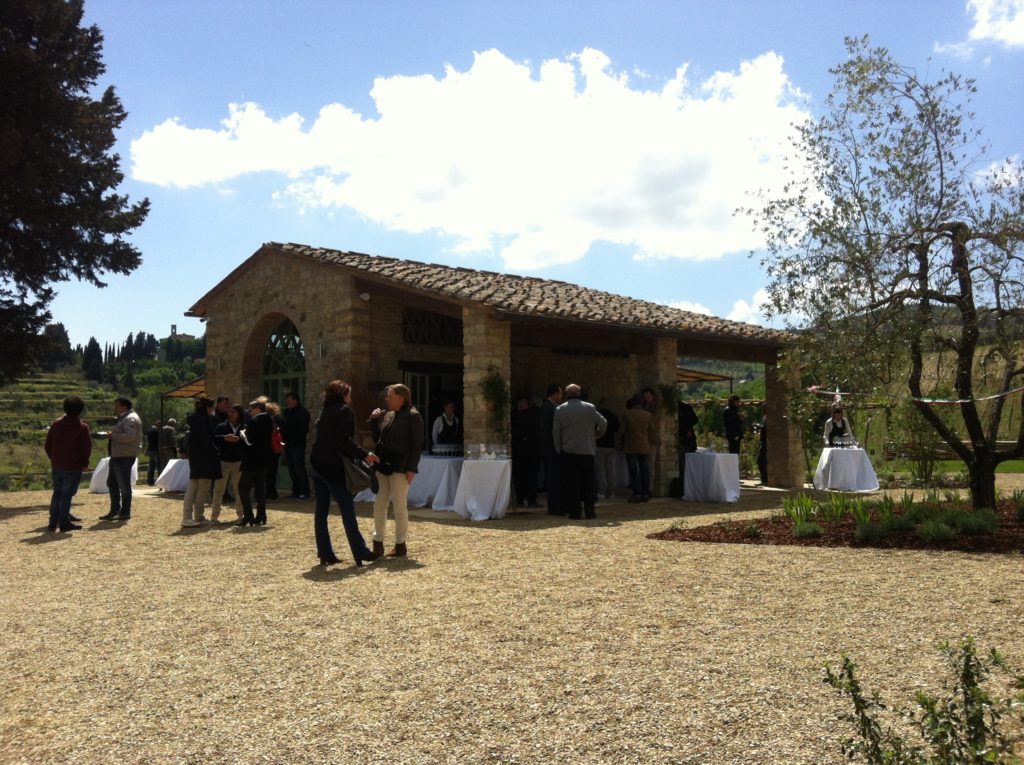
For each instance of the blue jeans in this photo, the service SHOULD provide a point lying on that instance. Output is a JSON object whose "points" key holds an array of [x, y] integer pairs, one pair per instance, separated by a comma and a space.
{"points": [[324, 491], [119, 481], [639, 474], [65, 486]]}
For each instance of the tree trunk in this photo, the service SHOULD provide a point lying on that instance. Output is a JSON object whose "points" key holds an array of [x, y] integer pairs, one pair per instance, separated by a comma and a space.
{"points": [[982, 473]]}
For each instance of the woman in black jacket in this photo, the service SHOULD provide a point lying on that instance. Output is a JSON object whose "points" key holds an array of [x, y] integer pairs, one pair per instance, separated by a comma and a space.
{"points": [[229, 441], [335, 442], [399, 433], [256, 456], [203, 463]]}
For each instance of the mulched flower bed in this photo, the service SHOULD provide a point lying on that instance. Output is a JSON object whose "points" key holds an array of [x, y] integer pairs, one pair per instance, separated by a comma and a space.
{"points": [[778, 530]]}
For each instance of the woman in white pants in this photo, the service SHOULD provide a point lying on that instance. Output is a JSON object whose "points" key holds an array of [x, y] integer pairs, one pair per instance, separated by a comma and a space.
{"points": [[399, 434]]}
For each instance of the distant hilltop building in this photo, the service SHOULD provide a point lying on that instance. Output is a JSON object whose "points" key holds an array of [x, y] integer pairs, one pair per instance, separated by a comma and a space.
{"points": [[174, 337]]}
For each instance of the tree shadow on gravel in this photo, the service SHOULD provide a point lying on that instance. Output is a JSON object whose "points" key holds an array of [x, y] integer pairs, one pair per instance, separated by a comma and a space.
{"points": [[7, 513]]}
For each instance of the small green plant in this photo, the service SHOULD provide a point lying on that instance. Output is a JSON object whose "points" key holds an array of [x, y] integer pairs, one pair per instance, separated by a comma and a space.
{"points": [[951, 496], [860, 511], [898, 523], [933, 531], [868, 532], [806, 529], [798, 508], [907, 502], [961, 727], [752, 530], [495, 390], [886, 505], [835, 508]]}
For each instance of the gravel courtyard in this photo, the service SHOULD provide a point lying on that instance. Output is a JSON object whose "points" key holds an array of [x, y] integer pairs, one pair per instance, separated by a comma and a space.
{"points": [[525, 640]]}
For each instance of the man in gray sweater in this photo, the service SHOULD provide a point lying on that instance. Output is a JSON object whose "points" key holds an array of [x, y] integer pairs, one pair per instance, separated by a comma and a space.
{"points": [[575, 431], [125, 445]]}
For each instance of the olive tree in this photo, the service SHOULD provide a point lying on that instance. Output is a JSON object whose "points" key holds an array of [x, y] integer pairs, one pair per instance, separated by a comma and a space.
{"points": [[896, 245]]}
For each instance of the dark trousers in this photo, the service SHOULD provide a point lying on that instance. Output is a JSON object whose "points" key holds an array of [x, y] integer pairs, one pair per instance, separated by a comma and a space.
{"points": [[762, 465], [296, 456], [253, 479], [154, 466], [65, 486], [524, 476], [119, 482], [270, 476], [324, 490], [577, 484], [639, 474], [552, 481], [734, 445]]}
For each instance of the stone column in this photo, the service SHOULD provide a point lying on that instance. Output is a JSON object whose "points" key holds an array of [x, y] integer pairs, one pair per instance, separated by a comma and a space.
{"points": [[786, 463], [486, 343], [657, 371]]}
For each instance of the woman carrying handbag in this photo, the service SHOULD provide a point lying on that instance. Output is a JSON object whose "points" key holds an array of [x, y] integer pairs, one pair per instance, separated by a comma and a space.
{"points": [[335, 443]]}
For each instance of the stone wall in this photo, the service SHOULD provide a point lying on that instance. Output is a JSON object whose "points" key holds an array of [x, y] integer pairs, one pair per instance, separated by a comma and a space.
{"points": [[485, 343], [317, 298], [786, 465]]}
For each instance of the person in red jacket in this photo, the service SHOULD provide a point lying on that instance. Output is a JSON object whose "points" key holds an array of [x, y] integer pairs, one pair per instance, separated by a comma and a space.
{"points": [[69, 447]]}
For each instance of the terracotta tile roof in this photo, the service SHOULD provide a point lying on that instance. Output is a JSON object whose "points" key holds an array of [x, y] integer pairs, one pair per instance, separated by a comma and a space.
{"points": [[531, 296]]}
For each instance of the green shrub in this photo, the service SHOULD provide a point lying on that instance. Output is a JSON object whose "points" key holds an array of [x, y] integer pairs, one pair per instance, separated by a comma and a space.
{"points": [[806, 529], [932, 531], [983, 521], [752, 530], [962, 727], [868, 532], [898, 523]]}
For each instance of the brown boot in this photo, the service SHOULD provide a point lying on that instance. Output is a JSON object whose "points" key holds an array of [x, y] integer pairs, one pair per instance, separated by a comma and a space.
{"points": [[399, 551], [378, 549]]}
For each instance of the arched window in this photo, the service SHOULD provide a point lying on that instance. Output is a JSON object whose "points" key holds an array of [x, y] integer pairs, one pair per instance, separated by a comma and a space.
{"points": [[284, 363]]}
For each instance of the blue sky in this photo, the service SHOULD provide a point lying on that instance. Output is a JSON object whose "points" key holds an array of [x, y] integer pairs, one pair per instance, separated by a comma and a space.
{"points": [[602, 143]]}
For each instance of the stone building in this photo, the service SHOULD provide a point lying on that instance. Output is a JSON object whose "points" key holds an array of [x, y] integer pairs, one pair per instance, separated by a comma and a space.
{"points": [[292, 317]]}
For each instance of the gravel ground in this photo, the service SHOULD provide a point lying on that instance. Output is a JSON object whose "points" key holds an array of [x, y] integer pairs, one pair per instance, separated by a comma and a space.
{"points": [[525, 640]]}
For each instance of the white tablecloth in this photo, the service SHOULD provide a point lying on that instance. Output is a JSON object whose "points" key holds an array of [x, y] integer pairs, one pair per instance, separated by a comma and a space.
{"points": [[712, 477], [98, 482], [484, 489], [434, 486], [845, 470], [174, 476]]}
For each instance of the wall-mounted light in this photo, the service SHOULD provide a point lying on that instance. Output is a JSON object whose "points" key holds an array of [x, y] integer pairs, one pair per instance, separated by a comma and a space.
{"points": [[364, 296], [321, 350]]}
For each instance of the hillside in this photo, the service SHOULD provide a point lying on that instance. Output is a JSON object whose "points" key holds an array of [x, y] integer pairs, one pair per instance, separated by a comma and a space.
{"points": [[30, 405]]}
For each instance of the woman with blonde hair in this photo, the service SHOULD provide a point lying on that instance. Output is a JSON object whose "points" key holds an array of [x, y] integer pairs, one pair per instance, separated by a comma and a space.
{"points": [[399, 435]]}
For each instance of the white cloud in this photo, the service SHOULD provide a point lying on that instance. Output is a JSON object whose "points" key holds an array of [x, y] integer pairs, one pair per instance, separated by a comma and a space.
{"points": [[1001, 21], [536, 165], [751, 312], [686, 305]]}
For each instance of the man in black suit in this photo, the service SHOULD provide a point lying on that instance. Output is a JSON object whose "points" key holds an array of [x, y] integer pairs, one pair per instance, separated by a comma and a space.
{"points": [[547, 448]]}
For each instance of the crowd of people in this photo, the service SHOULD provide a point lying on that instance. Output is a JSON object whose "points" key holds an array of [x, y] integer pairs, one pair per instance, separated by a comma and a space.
{"points": [[233, 452]]}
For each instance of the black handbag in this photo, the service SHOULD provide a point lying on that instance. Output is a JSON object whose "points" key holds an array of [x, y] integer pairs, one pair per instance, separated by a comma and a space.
{"points": [[359, 476]]}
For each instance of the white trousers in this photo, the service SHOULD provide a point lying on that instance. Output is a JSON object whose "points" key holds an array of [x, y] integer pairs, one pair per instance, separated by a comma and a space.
{"points": [[395, 488]]}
